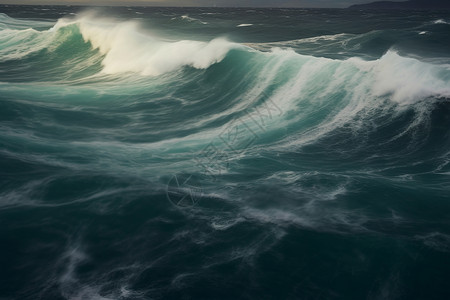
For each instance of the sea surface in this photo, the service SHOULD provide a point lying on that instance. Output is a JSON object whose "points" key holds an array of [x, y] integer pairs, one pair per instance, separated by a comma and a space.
{"points": [[213, 153]]}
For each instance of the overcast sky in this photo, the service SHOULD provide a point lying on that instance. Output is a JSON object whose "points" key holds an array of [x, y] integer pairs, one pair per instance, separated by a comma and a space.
{"points": [[252, 3]]}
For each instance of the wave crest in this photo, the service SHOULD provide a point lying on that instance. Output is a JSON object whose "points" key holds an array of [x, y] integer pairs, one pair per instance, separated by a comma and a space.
{"points": [[128, 49]]}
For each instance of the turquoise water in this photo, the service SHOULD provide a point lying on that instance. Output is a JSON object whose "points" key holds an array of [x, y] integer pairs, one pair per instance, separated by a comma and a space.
{"points": [[168, 153]]}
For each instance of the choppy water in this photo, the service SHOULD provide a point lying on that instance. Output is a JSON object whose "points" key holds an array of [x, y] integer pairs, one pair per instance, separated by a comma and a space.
{"points": [[164, 153]]}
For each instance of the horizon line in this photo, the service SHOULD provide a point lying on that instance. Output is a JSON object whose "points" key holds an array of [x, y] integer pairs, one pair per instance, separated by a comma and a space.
{"points": [[171, 6]]}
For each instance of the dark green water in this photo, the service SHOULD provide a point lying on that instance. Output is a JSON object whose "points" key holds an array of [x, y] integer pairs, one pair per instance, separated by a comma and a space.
{"points": [[167, 153]]}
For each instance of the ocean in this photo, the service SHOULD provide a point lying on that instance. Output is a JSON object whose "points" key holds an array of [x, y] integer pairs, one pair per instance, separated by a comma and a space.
{"points": [[224, 153]]}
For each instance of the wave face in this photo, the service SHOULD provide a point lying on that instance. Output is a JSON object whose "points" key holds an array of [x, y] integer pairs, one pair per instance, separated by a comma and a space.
{"points": [[151, 153]]}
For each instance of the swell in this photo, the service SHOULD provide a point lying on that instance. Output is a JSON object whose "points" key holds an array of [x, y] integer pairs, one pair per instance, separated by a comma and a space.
{"points": [[141, 93], [88, 45], [107, 61]]}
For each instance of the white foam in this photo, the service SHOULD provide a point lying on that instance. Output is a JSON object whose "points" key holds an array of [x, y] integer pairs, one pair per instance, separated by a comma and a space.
{"points": [[408, 80], [18, 38], [190, 19], [21, 24], [315, 41], [128, 49], [20, 43], [73, 257], [244, 25], [440, 21], [359, 86]]}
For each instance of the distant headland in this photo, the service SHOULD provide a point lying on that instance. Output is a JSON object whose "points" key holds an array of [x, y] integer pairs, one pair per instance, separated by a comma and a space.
{"points": [[412, 4]]}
